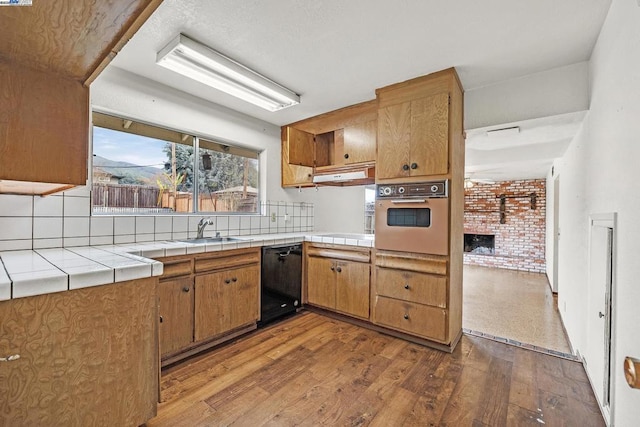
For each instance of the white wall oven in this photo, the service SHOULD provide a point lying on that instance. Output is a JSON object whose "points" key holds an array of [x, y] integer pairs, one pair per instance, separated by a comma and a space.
{"points": [[413, 217]]}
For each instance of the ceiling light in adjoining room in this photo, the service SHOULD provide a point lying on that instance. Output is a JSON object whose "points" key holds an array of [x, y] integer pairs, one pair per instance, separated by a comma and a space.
{"points": [[201, 63], [510, 131]]}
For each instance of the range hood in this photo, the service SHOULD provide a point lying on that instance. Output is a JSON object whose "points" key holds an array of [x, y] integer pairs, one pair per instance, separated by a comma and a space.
{"points": [[345, 175]]}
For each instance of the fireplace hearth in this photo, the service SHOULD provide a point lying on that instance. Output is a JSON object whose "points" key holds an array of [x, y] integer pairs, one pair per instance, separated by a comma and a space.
{"points": [[480, 244]]}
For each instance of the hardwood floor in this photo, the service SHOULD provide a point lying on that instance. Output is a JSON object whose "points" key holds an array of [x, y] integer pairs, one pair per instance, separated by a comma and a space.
{"points": [[311, 370]]}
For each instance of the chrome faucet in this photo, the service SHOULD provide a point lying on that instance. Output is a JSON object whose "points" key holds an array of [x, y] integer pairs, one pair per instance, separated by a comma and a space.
{"points": [[201, 226]]}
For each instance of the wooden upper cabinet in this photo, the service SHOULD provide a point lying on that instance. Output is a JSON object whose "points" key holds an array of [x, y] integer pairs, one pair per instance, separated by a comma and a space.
{"points": [[359, 143], [394, 141], [413, 138], [44, 130], [294, 175], [301, 147], [429, 150], [51, 52]]}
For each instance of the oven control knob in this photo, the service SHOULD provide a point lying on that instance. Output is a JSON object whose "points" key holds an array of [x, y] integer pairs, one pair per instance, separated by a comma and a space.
{"points": [[401, 190], [434, 188], [387, 191]]}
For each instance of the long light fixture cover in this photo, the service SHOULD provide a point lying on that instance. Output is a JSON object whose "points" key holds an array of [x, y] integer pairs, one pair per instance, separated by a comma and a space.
{"points": [[201, 63]]}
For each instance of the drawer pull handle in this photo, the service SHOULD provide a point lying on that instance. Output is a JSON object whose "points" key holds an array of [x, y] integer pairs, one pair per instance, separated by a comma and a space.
{"points": [[406, 317], [339, 270], [405, 167], [332, 268], [227, 281], [414, 166], [10, 358], [234, 279], [161, 319], [185, 289], [406, 286]]}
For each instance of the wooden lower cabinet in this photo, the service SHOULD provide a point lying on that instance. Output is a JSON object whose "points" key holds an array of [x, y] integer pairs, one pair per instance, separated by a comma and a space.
{"points": [[336, 283], [176, 314], [406, 285], [352, 288], [417, 319], [321, 282], [86, 357], [206, 298], [226, 300], [412, 295]]}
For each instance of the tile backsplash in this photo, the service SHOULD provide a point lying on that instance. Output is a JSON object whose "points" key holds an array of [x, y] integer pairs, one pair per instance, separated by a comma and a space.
{"points": [[65, 220]]}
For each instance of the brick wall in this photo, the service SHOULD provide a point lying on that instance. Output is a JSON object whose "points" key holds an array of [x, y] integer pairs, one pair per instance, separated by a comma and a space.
{"points": [[520, 241]]}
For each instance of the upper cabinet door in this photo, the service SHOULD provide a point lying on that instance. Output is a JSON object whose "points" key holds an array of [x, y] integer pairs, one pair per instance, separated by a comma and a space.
{"points": [[394, 138], [430, 135], [360, 143], [294, 175], [301, 147], [413, 138]]}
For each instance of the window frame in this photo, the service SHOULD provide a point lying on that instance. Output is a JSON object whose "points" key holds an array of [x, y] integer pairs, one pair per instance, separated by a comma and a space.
{"points": [[225, 146]]}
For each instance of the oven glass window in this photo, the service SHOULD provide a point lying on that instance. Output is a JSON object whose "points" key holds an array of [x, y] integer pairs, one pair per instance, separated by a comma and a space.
{"points": [[409, 217]]}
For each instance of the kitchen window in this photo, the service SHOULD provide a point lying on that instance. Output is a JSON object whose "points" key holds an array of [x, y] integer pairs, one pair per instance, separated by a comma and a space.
{"points": [[145, 169]]}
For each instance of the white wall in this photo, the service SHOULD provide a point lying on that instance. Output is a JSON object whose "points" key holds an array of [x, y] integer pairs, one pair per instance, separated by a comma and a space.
{"points": [[548, 93], [120, 92], [598, 174]]}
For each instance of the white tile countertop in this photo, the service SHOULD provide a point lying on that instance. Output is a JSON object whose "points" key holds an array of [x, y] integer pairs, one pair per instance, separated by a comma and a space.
{"points": [[35, 272]]}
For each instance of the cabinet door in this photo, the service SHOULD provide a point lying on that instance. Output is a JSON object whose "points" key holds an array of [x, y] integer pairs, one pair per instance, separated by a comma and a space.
{"points": [[360, 143], [87, 356], [226, 300], [176, 314], [394, 138], [429, 154], [293, 175], [321, 282], [301, 147], [352, 288]]}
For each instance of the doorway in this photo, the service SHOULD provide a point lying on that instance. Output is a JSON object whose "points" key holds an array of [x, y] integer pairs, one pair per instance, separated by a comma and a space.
{"points": [[556, 233], [601, 308]]}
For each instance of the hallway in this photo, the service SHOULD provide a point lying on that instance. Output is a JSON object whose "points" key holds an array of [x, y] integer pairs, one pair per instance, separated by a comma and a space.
{"points": [[512, 304]]}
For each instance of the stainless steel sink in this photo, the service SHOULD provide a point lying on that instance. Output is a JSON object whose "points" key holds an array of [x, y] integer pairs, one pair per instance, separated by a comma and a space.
{"points": [[210, 240]]}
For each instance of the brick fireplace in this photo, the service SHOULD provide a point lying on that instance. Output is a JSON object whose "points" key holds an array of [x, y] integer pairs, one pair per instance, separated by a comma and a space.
{"points": [[504, 225]]}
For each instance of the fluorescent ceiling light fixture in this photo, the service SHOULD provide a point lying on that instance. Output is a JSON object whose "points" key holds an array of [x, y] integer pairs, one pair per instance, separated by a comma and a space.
{"points": [[203, 64]]}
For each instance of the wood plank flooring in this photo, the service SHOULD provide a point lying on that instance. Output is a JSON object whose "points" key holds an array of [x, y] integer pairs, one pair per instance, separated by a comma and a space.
{"points": [[311, 370]]}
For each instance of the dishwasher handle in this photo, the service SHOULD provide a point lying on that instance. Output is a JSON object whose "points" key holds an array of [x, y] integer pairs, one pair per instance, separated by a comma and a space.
{"points": [[284, 254]]}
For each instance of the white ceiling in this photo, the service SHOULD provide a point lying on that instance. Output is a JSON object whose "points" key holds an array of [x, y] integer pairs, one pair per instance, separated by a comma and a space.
{"points": [[527, 153], [335, 53]]}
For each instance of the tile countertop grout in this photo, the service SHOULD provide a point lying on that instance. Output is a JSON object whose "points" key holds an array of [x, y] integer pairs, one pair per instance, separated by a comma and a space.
{"points": [[40, 271]]}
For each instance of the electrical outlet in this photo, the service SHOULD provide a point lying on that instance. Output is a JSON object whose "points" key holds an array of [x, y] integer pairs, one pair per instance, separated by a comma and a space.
{"points": [[273, 217], [286, 217]]}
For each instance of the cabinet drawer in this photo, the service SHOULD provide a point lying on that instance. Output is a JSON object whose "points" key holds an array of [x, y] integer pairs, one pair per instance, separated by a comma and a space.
{"points": [[416, 319], [421, 263], [226, 259], [411, 286], [173, 268]]}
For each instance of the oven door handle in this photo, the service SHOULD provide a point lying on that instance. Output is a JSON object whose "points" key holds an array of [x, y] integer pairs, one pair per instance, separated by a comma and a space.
{"points": [[409, 201]]}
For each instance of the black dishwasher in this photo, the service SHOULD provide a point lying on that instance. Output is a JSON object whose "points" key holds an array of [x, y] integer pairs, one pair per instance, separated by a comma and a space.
{"points": [[281, 285]]}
